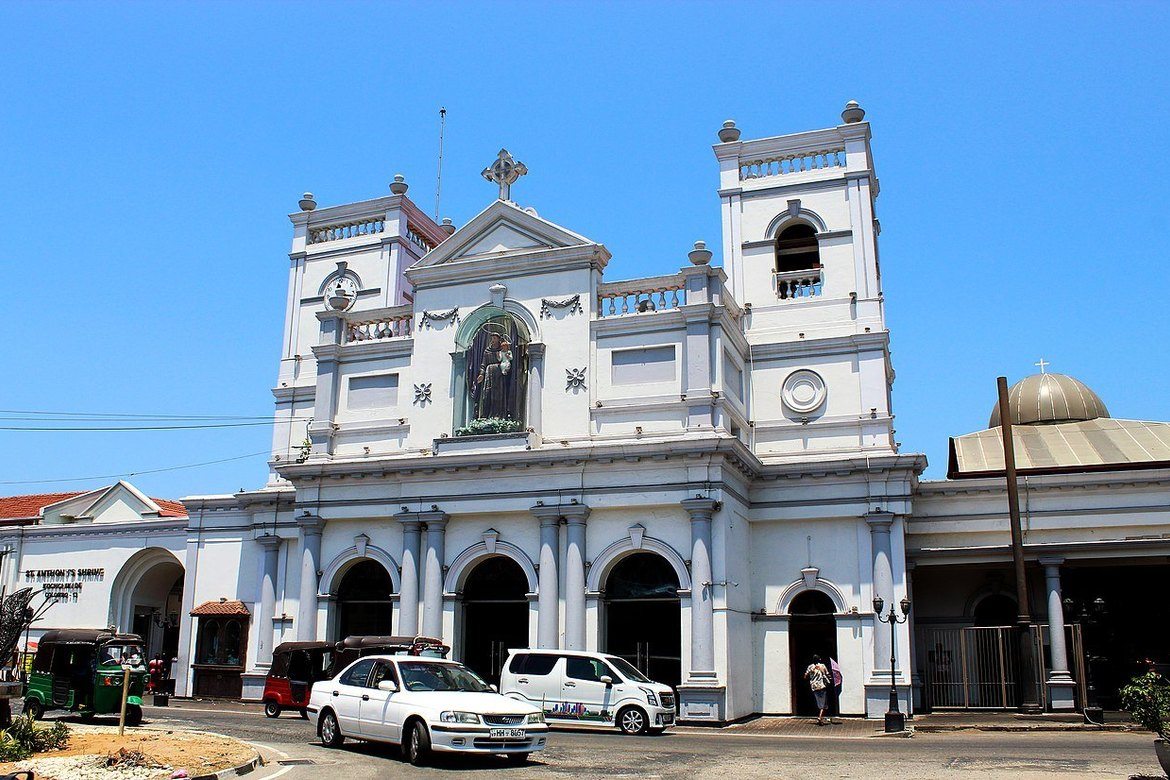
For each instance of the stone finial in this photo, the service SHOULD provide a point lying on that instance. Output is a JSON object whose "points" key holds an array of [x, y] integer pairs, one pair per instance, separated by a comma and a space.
{"points": [[447, 226], [729, 132], [399, 185], [700, 255], [853, 113], [307, 203]]}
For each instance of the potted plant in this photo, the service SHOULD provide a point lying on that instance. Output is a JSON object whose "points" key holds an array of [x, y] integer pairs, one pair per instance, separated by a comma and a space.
{"points": [[1147, 699]]}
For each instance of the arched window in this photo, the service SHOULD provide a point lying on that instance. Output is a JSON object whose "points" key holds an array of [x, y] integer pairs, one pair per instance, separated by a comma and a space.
{"points": [[796, 249], [491, 373]]}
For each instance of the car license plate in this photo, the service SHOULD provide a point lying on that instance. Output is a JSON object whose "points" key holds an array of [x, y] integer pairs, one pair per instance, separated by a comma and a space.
{"points": [[506, 733]]}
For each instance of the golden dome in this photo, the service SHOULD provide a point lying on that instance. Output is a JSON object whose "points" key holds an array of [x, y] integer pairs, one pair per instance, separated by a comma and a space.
{"points": [[1050, 398]]}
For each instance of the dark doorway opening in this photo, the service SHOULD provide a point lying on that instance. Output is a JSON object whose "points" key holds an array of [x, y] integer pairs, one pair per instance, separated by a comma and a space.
{"points": [[997, 609], [643, 616], [495, 615], [363, 601], [1125, 629], [812, 631]]}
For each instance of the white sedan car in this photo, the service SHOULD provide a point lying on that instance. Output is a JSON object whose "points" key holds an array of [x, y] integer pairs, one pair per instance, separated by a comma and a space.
{"points": [[424, 705]]}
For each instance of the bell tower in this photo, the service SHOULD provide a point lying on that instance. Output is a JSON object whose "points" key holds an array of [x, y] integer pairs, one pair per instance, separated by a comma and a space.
{"points": [[800, 251]]}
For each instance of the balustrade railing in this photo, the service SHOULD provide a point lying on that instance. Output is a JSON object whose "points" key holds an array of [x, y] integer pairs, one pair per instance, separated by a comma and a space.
{"points": [[782, 164], [641, 296], [791, 285], [418, 238], [350, 229], [391, 323]]}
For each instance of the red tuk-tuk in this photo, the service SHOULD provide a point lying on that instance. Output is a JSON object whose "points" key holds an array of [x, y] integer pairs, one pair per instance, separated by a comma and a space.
{"points": [[297, 665]]}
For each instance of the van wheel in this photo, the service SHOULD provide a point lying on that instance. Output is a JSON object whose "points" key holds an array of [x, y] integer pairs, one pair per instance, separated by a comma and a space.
{"points": [[271, 709], [133, 715], [34, 709], [417, 747], [331, 735], [632, 720], [304, 714]]}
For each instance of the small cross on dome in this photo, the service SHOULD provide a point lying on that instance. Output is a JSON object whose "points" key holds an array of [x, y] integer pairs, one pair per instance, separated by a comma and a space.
{"points": [[504, 172], [1043, 364]]}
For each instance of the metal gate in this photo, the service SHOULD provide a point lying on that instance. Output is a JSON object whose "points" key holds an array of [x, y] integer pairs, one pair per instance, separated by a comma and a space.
{"points": [[975, 667]]}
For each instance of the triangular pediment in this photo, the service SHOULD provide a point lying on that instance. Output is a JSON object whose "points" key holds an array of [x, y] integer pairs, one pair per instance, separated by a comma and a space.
{"points": [[500, 229]]}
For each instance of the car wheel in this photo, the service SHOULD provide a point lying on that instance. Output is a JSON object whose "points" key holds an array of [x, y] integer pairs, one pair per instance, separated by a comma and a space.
{"points": [[271, 709], [632, 720], [516, 759], [331, 735], [34, 709], [417, 748], [133, 715]]}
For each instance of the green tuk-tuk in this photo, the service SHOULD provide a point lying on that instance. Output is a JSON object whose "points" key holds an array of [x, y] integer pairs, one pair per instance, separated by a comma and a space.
{"points": [[81, 670]]}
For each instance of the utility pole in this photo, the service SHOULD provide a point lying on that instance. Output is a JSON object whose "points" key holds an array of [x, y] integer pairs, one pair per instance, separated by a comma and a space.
{"points": [[1027, 678]]}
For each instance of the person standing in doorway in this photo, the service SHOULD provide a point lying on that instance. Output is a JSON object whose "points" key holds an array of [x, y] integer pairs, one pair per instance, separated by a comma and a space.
{"points": [[838, 681], [818, 678]]}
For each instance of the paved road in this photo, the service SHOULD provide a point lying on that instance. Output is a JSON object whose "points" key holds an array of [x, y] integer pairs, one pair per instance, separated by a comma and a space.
{"points": [[288, 741]]}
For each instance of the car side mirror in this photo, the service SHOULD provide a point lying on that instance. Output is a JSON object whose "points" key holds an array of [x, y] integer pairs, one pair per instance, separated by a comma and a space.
{"points": [[388, 685], [605, 678], [495, 688]]}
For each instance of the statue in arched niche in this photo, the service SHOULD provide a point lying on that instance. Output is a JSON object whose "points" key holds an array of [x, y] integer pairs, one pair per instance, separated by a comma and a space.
{"points": [[495, 376]]}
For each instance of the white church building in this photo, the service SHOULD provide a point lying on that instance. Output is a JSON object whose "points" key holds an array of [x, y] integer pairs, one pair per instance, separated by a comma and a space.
{"points": [[484, 434]]}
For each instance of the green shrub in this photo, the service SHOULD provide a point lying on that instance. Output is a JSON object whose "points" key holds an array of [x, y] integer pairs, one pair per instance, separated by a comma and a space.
{"points": [[1147, 699], [488, 425], [24, 737]]}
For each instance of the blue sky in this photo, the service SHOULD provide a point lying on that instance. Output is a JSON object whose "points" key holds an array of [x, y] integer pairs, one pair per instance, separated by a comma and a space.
{"points": [[149, 154]]}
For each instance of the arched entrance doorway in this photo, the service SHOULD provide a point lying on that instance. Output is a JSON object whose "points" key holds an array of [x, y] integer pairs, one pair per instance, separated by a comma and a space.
{"points": [[147, 599], [643, 616], [363, 600], [495, 615], [996, 609], [812, 631]]}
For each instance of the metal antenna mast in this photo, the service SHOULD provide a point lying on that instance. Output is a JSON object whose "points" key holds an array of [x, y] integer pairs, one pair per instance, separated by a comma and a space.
{"points": [[439, 175]]}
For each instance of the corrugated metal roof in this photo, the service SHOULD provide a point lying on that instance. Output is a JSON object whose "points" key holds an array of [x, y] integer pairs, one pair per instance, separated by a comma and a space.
{"points": [[1092, 445]]}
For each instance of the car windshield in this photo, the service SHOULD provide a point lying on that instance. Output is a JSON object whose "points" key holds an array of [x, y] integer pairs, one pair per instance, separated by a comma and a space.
{"points": [[119, 654], [423, 676], [628, 670]]}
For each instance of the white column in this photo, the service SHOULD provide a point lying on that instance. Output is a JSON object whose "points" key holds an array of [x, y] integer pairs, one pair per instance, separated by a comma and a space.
{"points": [[883, 583], [575, 516], [702, 607], [309, 528], [432, 622], [271, 547], [1060, 683], [408, 592], [548, 599]]}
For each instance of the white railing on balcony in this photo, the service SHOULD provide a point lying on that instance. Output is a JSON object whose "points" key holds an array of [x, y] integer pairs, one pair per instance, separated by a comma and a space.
{"points": [[782, 164], [396, 322], [641, 296], [350, 229], [794, 285], [418, 239]]}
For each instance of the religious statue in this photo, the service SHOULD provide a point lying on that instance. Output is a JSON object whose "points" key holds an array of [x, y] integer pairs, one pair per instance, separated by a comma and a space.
{"points": [[491, 385]]}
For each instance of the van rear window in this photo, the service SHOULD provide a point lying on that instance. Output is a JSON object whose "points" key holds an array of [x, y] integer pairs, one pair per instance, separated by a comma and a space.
{"points": [[531, 663]]}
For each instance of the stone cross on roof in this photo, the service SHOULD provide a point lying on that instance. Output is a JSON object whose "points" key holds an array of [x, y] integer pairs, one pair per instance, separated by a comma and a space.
{"points": [[504, 172]]}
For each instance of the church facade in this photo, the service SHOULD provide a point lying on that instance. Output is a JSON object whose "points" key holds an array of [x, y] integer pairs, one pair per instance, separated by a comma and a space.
{"points": [[485, 434]]}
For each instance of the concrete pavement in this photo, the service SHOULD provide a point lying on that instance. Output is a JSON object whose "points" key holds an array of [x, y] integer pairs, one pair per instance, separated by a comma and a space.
{"points": [[832, 752]]}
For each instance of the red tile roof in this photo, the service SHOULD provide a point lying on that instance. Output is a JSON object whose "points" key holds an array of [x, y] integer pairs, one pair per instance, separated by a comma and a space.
{"points": [[30, 506], [221, 607]]}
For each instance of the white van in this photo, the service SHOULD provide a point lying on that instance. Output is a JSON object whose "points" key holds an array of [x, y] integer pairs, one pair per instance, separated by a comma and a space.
{"points": [[588, 689]]}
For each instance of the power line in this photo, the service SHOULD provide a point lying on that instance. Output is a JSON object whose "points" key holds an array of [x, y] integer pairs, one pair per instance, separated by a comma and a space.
{"points": [[133, 473], [132, 415], [107, 429]]}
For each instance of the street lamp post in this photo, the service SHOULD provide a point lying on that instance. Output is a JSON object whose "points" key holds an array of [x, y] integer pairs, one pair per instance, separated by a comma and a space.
{"points": [[895, 720]]}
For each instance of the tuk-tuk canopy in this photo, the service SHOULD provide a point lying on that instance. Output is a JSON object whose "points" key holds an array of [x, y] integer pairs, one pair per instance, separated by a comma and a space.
{"points": [[289, 647], [400, 642], [85, 636]]}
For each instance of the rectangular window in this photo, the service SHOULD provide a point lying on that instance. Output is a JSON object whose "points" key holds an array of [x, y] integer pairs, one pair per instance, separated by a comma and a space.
{"points": [[636, 366], [589, 669], [732, 377], [373, 392]]}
